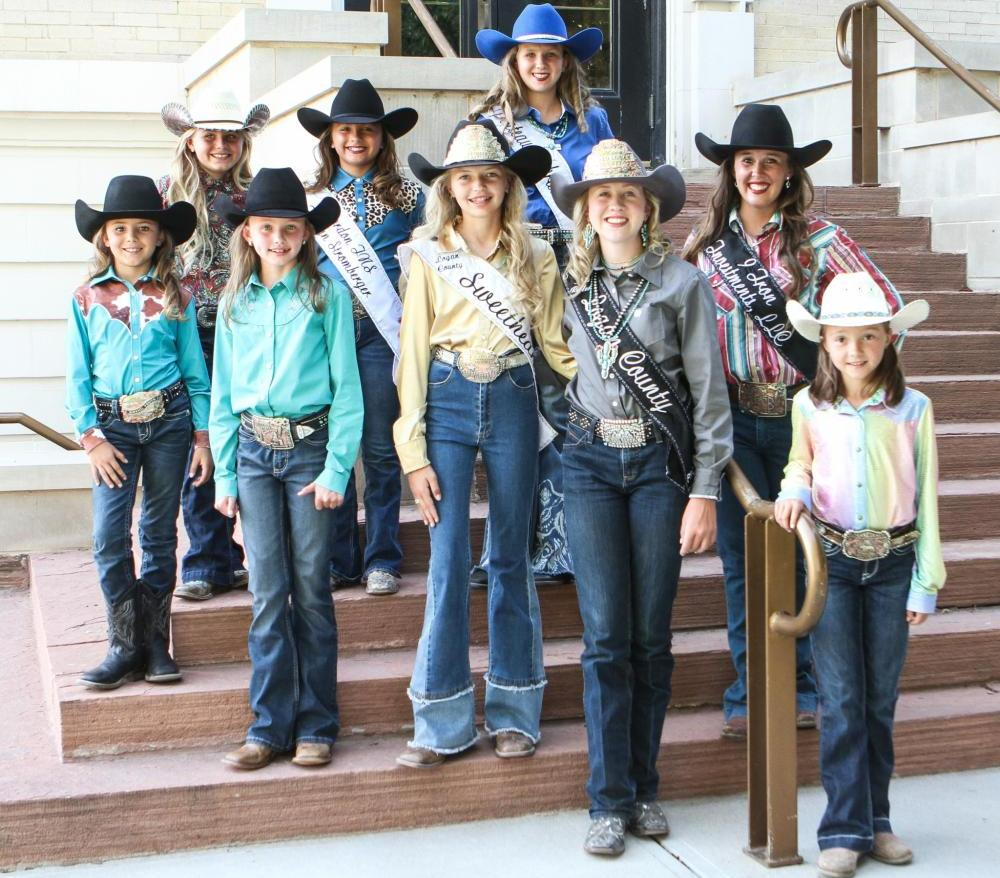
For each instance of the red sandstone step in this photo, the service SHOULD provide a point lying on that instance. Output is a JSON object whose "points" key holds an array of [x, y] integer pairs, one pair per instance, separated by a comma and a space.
{"points": [[947, 352], [186, 799], [966, 398], [968, 451], [912, 269], [960, 311]]}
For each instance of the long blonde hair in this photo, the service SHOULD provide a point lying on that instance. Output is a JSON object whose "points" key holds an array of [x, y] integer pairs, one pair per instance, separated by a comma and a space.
{"points": [[581, 257], [388, 181], [244, 261], [793, 203], [163, 265], [185, 185], [510, 95], [443, 214]]}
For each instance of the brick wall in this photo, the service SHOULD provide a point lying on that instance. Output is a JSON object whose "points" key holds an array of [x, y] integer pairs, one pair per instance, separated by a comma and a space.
{"points": [[793, 32], [146, 30]]}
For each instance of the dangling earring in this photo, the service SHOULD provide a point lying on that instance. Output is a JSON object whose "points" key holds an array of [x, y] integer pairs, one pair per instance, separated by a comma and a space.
{"points": [[788, 182], [588, 235], [644, 235]]}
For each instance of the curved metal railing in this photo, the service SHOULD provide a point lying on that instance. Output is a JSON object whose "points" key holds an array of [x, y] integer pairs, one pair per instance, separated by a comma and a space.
{"points": [[43, 430]]}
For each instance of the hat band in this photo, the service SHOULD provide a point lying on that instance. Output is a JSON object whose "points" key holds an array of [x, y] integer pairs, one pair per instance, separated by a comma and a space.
{"points": [[846, 314], [535, 38]]}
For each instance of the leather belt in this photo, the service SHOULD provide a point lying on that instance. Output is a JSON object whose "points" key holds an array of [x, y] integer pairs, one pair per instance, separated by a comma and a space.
{"points": [[480, 364], [281, 434], [615, 432], [867, 544], [763, 400], [141, 407]]}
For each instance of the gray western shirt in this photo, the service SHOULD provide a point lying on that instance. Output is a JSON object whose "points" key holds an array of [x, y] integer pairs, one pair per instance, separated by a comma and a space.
{"points": [[676, 324]]}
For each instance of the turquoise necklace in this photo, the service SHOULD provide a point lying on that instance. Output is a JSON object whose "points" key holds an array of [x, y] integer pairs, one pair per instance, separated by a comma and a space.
{"points": [[610, 336], [553, 134]]}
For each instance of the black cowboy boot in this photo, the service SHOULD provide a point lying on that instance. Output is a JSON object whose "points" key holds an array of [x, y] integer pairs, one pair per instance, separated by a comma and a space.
{"points": [[125, 660], [160, 667]]}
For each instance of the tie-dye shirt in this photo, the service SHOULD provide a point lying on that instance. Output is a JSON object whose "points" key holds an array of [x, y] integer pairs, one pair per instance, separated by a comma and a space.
{"points": [[871, 467]]}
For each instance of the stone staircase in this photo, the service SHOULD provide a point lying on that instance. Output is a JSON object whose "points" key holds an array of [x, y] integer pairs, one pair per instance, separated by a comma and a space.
{"points": [[95, 775]]}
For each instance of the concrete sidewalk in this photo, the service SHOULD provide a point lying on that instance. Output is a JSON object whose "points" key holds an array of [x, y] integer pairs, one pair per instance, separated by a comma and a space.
{"points": [[952, 821]]}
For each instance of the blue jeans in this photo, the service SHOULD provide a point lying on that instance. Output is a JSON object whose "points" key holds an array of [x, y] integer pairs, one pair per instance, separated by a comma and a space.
{"points": [[159, 450], [623, 518], [293, 635], [213, 554], [383, 475], [760, 447], [500, 420], [859, 646]]}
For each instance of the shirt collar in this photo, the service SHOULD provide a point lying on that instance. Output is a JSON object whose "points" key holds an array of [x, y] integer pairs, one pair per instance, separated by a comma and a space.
{"points": [[531, 111], [773, 224], [289, 282], [452, 240], [109, 274], [212, 184], [876, 399], [342, 178], [650, 268]]}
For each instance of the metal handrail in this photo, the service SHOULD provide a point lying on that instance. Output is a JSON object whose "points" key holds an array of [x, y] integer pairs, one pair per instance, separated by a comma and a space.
{"points": [[815, 560], [907, 24], [43, 430]]}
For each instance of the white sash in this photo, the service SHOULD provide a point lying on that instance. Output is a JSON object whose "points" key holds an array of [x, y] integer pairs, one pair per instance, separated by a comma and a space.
{"points": [[523, 135], [359, 266], [480, 284]]}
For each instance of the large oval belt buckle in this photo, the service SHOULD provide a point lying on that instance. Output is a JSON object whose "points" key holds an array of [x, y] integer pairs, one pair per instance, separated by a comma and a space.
{"points": [[866, 545], [141, 407], [479, 365]]}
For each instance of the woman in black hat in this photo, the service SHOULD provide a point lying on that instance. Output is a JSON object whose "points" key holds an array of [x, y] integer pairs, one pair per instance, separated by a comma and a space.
{"points": [[478, 289], [379, 210], [760, 245], [136, 384]]}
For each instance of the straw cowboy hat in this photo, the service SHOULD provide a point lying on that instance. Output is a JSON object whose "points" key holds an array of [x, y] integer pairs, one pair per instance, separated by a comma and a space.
{"points": [[539, 23], [215, 111], [762, 126], [614, 161], [278, 192], [133, 197], [357, 103], [854, 299], [479, 143]]}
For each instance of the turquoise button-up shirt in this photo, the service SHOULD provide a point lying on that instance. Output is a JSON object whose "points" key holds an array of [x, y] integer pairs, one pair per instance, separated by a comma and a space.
{"points": [[277, 357], [120, 342]]}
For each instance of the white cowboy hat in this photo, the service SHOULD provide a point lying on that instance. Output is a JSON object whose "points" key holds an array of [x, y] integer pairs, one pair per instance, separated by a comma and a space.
{"points": [[215, 111], [854, 299]]}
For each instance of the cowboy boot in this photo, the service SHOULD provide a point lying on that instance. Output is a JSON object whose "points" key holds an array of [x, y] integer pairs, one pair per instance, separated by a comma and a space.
{"points": [[125, 660], [160, 667]]}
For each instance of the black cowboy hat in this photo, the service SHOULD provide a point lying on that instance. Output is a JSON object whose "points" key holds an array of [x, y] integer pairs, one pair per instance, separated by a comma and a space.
{"points": [[357, 103], [479, 143], [762, 126], [614, 161], [133, 197], [278, 192]]}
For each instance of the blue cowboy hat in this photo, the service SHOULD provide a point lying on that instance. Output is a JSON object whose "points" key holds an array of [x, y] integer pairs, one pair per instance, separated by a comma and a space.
{"points": [[539, 23]]}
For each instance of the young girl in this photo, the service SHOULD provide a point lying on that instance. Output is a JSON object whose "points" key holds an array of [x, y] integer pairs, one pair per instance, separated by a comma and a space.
{"points": [[478, 289], [648, 438], [864, 462], [285, 423], [212, 159], [759, 245], [379, 210], [135, 382], [542, 98]]}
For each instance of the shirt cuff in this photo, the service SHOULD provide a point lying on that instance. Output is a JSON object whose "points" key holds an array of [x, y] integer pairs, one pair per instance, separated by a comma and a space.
{"points": [[333, 480], [803, 495], [706, 483], [92, 438], [702, 497], [225, 486], [921, 602], [201, 439], [413, 455]]}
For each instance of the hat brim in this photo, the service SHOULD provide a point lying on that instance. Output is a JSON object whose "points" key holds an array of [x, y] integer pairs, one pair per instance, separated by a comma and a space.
{"points": [[494, 45], [665, 183], [323, 215], [804, 156], [178, 120], [396, 122], [179, 219], [530, 164], [810, 327]]}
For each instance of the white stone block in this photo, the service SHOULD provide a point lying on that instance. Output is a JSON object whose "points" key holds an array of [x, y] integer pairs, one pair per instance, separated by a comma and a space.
{"points": [[33, 348]]}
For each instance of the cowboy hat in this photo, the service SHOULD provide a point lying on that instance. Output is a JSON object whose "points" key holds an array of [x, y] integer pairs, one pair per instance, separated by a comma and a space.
{"points": [[762, 126], [614, 161], [479, 143], [278, 192], [133, 197], [854, 299], [214, 111], [539, 23], [357, 103]]}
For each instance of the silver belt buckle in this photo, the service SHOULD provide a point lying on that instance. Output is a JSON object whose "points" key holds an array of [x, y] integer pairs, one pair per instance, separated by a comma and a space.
{"points": [[275, 433], [142, 407], [866, 545], [626, 433], [479, 365], [763, 400]]}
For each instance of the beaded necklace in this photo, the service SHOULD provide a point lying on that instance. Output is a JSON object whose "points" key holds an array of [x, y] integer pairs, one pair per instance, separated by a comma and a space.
{"points": [[553, 134], [610, 336]]}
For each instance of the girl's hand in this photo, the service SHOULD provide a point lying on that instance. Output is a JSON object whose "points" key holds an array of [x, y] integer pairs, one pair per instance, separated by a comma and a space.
{"points": [[698, 526], [324, 497], [788, 512], [425, 490], [105, 465], [227, 506], [915, 618], [201, 462]]}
